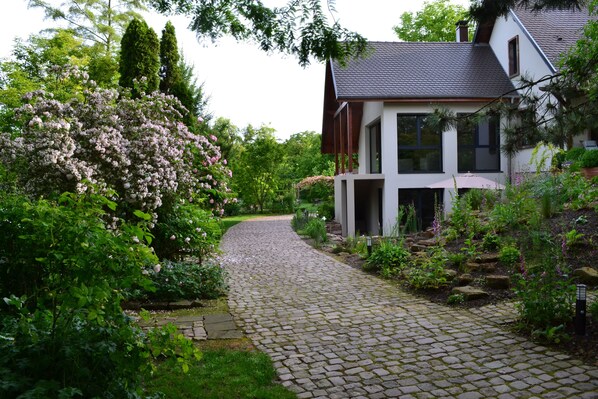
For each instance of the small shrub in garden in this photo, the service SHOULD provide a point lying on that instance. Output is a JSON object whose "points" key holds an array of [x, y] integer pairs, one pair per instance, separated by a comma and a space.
{"points": [[455, 299], [490, 242], [63, 333], [186, 280], [316, 230], [545, 296], [509, 255], [428, 272], [388, 258], [326, 209]]}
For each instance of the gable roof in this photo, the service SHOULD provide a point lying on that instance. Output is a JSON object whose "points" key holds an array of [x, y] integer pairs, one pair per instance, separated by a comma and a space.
{"points": [[406, 70], [554, 31]]}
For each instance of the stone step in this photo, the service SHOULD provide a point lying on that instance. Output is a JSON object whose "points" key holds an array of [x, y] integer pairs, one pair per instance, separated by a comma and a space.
{"points": [[470, 293], [498, 281]]}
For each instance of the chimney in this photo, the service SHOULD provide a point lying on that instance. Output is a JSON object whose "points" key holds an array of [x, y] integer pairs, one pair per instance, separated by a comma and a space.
{"points": [[462, 31]]}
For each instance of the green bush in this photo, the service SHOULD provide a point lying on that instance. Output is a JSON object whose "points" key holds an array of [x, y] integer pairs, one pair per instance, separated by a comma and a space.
{"points": [[64, 271], [545, 297], [389, 259], [429, 272], [589, 159], [185, 280], [490, 242], [316, 229], [326, 209], [186, 230], [509, 255]]}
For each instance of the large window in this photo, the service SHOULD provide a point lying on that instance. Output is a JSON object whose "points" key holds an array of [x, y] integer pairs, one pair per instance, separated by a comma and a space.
{"points": [[375, 155], [420, 145], [478, 146], [513, 49], [424, 200]]}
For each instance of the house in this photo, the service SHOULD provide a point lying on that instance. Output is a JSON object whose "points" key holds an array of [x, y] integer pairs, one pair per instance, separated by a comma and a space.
{"points": [[376, 116]]}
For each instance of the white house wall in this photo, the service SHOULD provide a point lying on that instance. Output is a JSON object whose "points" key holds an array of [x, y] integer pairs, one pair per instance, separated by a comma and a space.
{"points": [[532, 65], [394, 181]]}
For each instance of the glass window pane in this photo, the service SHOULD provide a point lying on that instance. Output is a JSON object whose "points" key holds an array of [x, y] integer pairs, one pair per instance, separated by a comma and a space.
{"points": [[483, 133], [407, 130], [487, 159], [465, 160], [420, 161], [429, 136]]}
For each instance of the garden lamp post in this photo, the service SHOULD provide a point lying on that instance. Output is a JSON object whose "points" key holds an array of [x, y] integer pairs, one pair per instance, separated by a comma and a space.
{"points": [[580, 310], [368, 241]]}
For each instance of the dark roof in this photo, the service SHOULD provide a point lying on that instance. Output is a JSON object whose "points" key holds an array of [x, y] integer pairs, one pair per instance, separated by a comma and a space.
{"points": [[404, 70], [555, 31]]}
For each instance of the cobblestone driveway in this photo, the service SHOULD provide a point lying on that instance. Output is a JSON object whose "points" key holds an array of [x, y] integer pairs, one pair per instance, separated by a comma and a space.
{"points": [[335, 332]]}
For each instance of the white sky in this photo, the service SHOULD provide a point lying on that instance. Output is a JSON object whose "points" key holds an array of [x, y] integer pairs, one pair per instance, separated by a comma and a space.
{"points": [[245, 84]]}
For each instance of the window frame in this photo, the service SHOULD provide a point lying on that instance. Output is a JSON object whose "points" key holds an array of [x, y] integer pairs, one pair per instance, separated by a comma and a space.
{"points": [[513, 56], [419, 146], [377, 125], [476, 145]]}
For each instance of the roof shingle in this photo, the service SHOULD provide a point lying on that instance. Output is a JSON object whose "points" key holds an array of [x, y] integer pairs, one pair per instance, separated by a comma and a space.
{"points": [[555, 31], [404, 70]]}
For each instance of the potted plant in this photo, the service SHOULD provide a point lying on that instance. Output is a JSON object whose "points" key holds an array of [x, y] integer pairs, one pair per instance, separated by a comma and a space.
{"points": [[589, 163]]}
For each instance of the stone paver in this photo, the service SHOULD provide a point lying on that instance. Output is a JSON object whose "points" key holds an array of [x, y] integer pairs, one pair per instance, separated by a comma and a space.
{"points": [[335, 332]]}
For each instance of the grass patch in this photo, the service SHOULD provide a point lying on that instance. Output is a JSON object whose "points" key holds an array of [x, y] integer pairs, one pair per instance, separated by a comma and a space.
{"points": [[221, 374], [230, 221]]}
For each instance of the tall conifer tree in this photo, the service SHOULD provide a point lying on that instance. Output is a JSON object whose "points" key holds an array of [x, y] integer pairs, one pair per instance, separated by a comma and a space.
{"points": [[170, 72], [139, 57]]}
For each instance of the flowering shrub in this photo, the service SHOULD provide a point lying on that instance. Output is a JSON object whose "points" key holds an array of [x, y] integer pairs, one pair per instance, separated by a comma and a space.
{"points": [[137, 147], [186, 230], [316, 187]]}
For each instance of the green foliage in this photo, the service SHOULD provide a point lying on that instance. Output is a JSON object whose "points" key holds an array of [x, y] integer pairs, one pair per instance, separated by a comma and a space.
{"points": [[316, 229], [434, 23], [139, 58], [316, 188], [589, 159], [455, 299], [186, 230], [65, 272], [98, 21], [256, 169], [170, 74], [220, 374], [573, 238], [509, 255], [407, 221], [300, 220], [326, 210], [300, 28], [491, 242], [546, 296], [429, 271], [303, 157], [185, 280], [389, 259], [593, 310], [470, 249]]}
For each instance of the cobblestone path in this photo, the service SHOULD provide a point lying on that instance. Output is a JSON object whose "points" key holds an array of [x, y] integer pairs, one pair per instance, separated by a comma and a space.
{"points": [[335, 332]]}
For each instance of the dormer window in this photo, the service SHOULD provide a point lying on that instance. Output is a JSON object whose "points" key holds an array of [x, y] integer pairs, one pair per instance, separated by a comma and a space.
{"points": [[513, 49]]}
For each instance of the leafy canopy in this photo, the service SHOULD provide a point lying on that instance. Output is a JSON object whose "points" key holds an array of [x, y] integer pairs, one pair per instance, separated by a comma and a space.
{"points": [[300, 28], [434, 23]]}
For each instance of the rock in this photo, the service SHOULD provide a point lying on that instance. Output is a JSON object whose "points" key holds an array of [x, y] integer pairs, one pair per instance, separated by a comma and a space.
{"points": [[587, 275], [428, 243], [488, 267], [464, 279], [417, 248], [487, 258], [472, 266], [450, 274], [496, 281], [470, 293], [428, 234]]}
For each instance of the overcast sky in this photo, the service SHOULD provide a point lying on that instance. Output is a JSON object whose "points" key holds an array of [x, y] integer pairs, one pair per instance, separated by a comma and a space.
{"points": [[245, 84]]}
